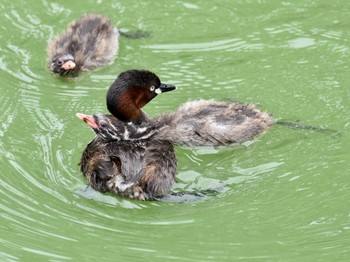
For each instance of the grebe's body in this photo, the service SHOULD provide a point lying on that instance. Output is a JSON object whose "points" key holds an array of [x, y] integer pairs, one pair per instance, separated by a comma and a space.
{"points": [[195, 123], [143, 170], [212, 123], [132, 155], [89, 42]]}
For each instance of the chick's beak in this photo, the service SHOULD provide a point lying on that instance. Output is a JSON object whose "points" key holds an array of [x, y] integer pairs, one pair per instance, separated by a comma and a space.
{"points": [[165, 88], [69, 65], [89, 120]]}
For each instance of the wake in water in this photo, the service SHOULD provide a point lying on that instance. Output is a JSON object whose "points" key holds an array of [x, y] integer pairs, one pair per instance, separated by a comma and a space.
{"points": [[297, 125]]}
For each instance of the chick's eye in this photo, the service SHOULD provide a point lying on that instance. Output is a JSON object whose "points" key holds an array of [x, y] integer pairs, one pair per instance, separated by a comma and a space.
{"points": [[103, 124], [152, 88]]}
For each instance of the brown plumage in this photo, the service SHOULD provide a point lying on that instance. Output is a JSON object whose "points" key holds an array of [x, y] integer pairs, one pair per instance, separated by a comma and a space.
{"points": [[131, 91], [212, 123], [133, 156], [138, 160], [143, 170], [89, 42]]}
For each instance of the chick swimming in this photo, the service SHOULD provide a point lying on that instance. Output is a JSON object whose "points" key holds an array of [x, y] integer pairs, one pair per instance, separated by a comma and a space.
{"points": [[89, 42], [143, 170], [195, 123]]}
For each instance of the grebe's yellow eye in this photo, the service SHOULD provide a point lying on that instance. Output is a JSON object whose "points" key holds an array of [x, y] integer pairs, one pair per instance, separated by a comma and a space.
{"points": [[152, 88]]}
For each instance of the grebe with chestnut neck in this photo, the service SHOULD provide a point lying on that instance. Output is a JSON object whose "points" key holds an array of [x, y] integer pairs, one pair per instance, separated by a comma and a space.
{"points": [[131, 91], [132, 155]]}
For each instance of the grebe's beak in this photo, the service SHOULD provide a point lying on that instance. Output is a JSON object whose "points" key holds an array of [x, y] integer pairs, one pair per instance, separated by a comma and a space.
{"points": [[69, 65], [165, 88], [89, 120]]}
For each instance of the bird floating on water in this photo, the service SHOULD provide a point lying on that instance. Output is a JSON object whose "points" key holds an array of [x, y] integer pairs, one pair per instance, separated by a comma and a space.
{"points": [[89, 42], [132, 155]]}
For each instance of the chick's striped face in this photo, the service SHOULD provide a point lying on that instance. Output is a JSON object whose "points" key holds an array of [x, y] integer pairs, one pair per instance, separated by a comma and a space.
{"points": [[112, 129], [63, 65], [109, 128]]}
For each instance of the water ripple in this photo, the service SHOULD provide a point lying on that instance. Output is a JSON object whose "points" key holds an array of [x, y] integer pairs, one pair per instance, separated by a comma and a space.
{"points": [[301, 42], [294, 28], [283, 192], [8, 112], [235, 44], [20, 170]]}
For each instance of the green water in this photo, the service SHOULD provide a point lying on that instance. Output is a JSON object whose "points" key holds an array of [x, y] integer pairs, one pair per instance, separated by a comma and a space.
{"points": [[287, 194]]}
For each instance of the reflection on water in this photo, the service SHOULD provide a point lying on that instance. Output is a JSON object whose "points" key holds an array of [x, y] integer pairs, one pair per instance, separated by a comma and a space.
{"points": [[301, 42], [280, 197], [222, 45]]}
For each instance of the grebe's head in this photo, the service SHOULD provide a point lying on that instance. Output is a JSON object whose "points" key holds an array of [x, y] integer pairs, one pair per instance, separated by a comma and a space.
{"points": [[109, 128], [131, 91], [63, 65]]}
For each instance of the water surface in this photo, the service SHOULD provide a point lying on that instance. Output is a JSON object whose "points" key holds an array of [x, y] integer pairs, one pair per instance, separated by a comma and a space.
{"points": [[287, 191]]}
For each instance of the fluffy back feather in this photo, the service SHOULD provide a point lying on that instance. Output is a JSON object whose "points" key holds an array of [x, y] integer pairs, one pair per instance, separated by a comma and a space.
{"points": [[210, 123]]}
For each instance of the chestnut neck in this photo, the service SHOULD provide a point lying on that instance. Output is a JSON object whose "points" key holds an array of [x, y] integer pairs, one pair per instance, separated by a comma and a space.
{"points": [[127, 106]]}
